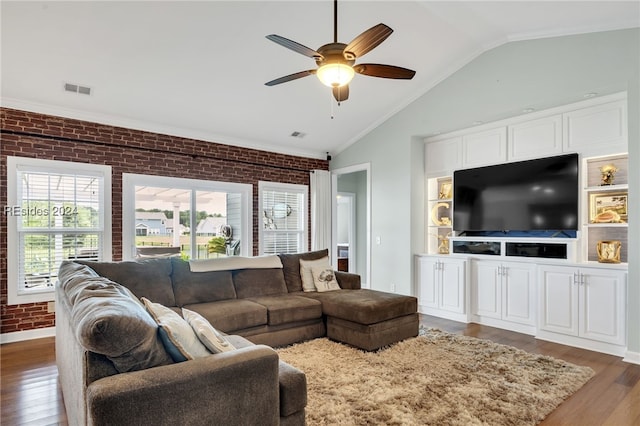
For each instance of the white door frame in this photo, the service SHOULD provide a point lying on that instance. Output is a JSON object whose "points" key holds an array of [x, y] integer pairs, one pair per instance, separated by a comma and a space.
{"points": [[366, 167]]}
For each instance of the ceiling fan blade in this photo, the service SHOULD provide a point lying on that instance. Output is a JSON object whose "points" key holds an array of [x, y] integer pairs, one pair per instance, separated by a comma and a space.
{"points": [[290, 77], [296, 47], [367, 41], [384, 71], [341, 93]]}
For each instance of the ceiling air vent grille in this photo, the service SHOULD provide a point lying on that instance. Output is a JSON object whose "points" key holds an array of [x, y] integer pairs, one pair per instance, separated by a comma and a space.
{"points": [[76, 88]]}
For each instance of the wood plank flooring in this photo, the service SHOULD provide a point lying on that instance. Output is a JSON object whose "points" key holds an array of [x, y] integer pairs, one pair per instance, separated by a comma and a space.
{"points": [[31, 394]]}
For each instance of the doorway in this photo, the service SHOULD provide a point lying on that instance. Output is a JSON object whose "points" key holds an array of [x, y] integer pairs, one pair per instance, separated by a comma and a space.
{"points": [[351, 221], [346, 242]]}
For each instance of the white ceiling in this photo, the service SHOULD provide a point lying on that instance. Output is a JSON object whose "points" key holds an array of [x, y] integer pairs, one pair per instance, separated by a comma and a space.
{"points": [[197, 69]]}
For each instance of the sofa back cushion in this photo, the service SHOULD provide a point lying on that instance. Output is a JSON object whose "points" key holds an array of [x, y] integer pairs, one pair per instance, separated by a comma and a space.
{"points": [[259, 282], [150, 278], [198, 287], [291, 267], [109, 320]]}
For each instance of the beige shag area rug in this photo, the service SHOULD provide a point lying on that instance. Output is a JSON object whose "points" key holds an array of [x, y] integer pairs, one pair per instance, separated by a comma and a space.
{"points": [[434, 379]]}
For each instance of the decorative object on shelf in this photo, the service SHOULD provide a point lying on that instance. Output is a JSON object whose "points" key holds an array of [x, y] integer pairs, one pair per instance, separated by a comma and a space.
{"points": [[608, 174], [443, 242], [445, 191], [435, 214], [608, 207], [609, 251]]}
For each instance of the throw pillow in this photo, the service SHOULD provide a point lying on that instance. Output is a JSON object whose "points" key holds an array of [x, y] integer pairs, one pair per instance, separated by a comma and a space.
{"points": [[307, 275], [178, 337], [208, 335], [324, 278]]}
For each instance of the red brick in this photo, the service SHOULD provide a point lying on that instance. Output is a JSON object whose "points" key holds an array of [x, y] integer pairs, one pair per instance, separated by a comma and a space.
{"points": [[121, 149]]}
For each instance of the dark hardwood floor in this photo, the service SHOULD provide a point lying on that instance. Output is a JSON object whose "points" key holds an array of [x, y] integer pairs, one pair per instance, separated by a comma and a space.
{"points": [[31, 395]]}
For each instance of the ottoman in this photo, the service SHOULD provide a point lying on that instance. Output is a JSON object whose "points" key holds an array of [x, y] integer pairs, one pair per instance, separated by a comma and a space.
{"points": [[368, 319]]}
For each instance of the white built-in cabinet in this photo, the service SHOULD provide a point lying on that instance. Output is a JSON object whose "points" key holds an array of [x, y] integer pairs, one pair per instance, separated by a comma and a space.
{"points": [[503, 294], [583, 303], [485, 147], [576, 301], [535, 138], [597, 130], [442, 287], [443, 156]]}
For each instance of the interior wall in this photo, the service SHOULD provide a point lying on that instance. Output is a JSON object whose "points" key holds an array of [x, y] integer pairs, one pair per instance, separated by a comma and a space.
{"points": [[27, 134], [497, 84]]}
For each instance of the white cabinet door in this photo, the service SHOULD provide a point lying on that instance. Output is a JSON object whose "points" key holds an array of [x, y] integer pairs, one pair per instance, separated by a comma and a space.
{"points": [[442, 157], [518, 293], [559, 299], [602, 305], [597, 130], [486, 289], [484, 148], [452, 286], [536, 138], [428, 282]]}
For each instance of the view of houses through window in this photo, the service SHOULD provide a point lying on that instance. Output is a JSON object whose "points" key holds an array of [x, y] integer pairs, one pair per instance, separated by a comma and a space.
{"points": [[193, 219], [164, 219]]}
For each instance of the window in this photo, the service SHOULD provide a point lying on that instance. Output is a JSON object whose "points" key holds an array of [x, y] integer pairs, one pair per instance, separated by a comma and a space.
{"points": [[195, 219], [283, 228], [56, 211]]}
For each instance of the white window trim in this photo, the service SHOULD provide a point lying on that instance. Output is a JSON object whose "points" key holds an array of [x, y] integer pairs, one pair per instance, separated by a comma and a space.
{"points": [[52, 166], [283, 187], [130, 181]]}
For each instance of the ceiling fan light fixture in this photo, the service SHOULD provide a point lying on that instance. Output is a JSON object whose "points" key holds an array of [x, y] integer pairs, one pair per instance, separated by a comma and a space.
{"points": [[335, 74]]}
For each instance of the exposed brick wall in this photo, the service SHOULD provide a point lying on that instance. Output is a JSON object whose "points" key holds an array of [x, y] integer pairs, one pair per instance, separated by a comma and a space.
{"points": [[128, 151]]}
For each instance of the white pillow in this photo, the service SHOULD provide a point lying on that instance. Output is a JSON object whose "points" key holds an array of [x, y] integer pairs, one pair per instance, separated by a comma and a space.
{"points": [[176, 334], [305, 271], [324, 278], [208, 335]]}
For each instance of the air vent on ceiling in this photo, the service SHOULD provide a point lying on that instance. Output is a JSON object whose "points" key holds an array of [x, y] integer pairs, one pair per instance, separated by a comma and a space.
{"points": [[76, 88], [297, 134]]}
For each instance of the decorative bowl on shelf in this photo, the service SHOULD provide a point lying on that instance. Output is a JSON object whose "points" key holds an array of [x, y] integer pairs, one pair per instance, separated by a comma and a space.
{"points": [[607, 216], [608, 251]]}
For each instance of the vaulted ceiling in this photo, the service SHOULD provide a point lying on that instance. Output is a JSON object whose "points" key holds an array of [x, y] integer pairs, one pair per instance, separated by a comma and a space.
{"points": [[197, 69]]}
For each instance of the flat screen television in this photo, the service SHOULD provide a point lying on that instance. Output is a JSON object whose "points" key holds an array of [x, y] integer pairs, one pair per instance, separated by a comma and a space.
{"points": [[534, 195]]}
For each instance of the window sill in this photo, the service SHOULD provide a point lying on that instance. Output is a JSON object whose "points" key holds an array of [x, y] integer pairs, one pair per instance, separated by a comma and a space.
{"points": [[35, 297]]}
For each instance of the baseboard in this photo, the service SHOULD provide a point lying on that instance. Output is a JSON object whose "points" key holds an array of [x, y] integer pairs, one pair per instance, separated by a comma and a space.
{"points": [[36, 333], [632, 357]]}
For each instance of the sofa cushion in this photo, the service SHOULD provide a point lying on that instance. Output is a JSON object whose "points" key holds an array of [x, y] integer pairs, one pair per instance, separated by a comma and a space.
{"points": [[324, 278], [178, 337], [233, 314], [150, 278], [306, 274], [288, 308], [291, 267], [365, 306], [109, 320], [259, 282], [196, 287], [215, 341]]}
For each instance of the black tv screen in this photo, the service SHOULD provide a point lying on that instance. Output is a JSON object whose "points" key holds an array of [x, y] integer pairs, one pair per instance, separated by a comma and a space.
{"points": [[534, 195]]}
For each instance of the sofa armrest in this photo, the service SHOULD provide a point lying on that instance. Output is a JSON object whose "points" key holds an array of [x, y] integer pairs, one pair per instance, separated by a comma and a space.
{"points": [[348, 280], [231, 388]]}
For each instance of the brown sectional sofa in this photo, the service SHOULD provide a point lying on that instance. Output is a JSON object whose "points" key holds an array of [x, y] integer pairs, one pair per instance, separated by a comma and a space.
{"points": [[258, 308]]}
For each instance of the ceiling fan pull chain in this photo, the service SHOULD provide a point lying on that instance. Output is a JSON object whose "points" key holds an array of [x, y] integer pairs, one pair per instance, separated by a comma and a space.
{"points": [[331, 103]]}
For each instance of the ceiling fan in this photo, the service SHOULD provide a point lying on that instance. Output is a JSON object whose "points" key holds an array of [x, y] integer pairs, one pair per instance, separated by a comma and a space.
{"points": [[336, 61]]}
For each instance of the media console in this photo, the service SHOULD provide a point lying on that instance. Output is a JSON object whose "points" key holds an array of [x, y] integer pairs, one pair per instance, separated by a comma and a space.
{"points": [[543, 249]]}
